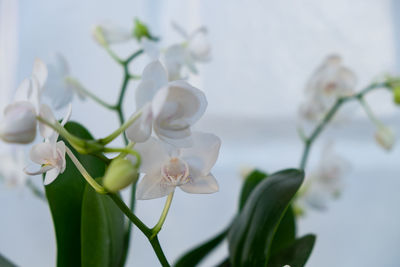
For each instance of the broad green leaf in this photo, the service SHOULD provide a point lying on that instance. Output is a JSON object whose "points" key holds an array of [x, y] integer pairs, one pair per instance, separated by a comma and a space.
{"points": [[4, 262], [251, 181], [65, 200], [102, 230], [295, 255], [252, 232], [196, 255], [286, 232]]}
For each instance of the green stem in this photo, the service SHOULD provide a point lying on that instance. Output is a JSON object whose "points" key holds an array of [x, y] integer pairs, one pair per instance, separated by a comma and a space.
{"points": [[116, 133], [113, 55], [73, 140], [142, 227], [99, 189], [369, 112], [81, 89], [157, 228], [308, 142]]}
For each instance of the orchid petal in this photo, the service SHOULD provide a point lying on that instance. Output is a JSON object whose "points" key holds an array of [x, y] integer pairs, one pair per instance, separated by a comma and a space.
{"points": [[204, 153], [152, 186], [41, 153], [140, 130], [40, 72], [201, 185], [51, 175], [32, 169], [153, 154], [46, 113]]}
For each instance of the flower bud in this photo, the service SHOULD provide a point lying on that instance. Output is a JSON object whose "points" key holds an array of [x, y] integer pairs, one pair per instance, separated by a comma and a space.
{"points": [[19, 123], [98, 35], [140, 30], [385, 137], [396, 94], [119, 175]]}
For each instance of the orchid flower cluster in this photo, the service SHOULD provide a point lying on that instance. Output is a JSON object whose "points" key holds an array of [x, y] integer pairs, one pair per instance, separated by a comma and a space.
{"points": [[161, 152]]}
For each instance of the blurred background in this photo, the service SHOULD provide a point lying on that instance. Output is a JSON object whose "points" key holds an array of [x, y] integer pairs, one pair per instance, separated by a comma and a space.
{"points": [[263, 54]]}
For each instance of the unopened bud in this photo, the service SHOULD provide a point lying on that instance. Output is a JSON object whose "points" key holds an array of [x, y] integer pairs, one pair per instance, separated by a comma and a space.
{"points": [[120, 174], [385, 137], [98, 35], [140, 30], [19, 123]]}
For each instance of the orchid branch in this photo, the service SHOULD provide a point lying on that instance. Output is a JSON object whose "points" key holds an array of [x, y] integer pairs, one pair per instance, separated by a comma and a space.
{"points": [[308, 141], [157, 228]]}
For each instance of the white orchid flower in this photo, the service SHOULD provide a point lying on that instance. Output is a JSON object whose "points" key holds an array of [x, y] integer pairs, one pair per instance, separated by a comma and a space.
{"points": [[170, 108], [107, 33], [385, 137], [329, 82], [19, 123], [165, 168], [193, 50], [326, 181], [50, 154], [58, 87]]}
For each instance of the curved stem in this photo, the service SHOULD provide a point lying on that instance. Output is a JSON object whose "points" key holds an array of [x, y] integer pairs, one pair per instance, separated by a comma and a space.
{"points": [[308, 142], [159, 252], [369, 112], [99, 189], [82, 90], [157, 228], [120, 130]]}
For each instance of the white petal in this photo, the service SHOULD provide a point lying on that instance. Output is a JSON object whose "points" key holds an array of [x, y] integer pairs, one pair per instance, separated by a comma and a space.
{"points": [[67, 115], [204, 152], [41, 153], [33, 169], [140, 130], [19, 123], [153, 154], [51, 175], [198, 45], [40, 72], [201, 185], [46, 113], [23, 91], [62, 163], [151, 187], [177, 138], [174, 59], [154, 77]]}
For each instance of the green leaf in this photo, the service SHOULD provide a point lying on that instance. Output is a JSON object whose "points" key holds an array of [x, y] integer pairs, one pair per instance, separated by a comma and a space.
{"points": [[251, 181], [65, 200], [102, 230], [295, 255], [286, 232], [197, 254], [4, 262], [252, 232]]}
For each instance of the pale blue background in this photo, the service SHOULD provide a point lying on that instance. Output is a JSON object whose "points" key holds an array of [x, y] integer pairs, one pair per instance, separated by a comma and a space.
{"points": [[263, 52]]}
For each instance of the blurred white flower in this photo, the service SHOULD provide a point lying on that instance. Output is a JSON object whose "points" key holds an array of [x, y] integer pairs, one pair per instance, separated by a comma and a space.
{"points": [[107, 33], [170, 108], [187, 54], [326, 181], [60, 87], [50, 154], [189, 168], [19, 123], [329, 82], [11, 168], [385, 137]]}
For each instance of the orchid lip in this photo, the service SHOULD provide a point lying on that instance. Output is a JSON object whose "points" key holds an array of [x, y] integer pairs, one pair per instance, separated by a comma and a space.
{"points": [[175, 171]]}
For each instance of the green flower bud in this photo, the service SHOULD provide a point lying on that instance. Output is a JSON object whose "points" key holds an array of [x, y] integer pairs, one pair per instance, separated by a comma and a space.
{"points": [[119, 175], [98, 35], [396, 94], [140, 30]]}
